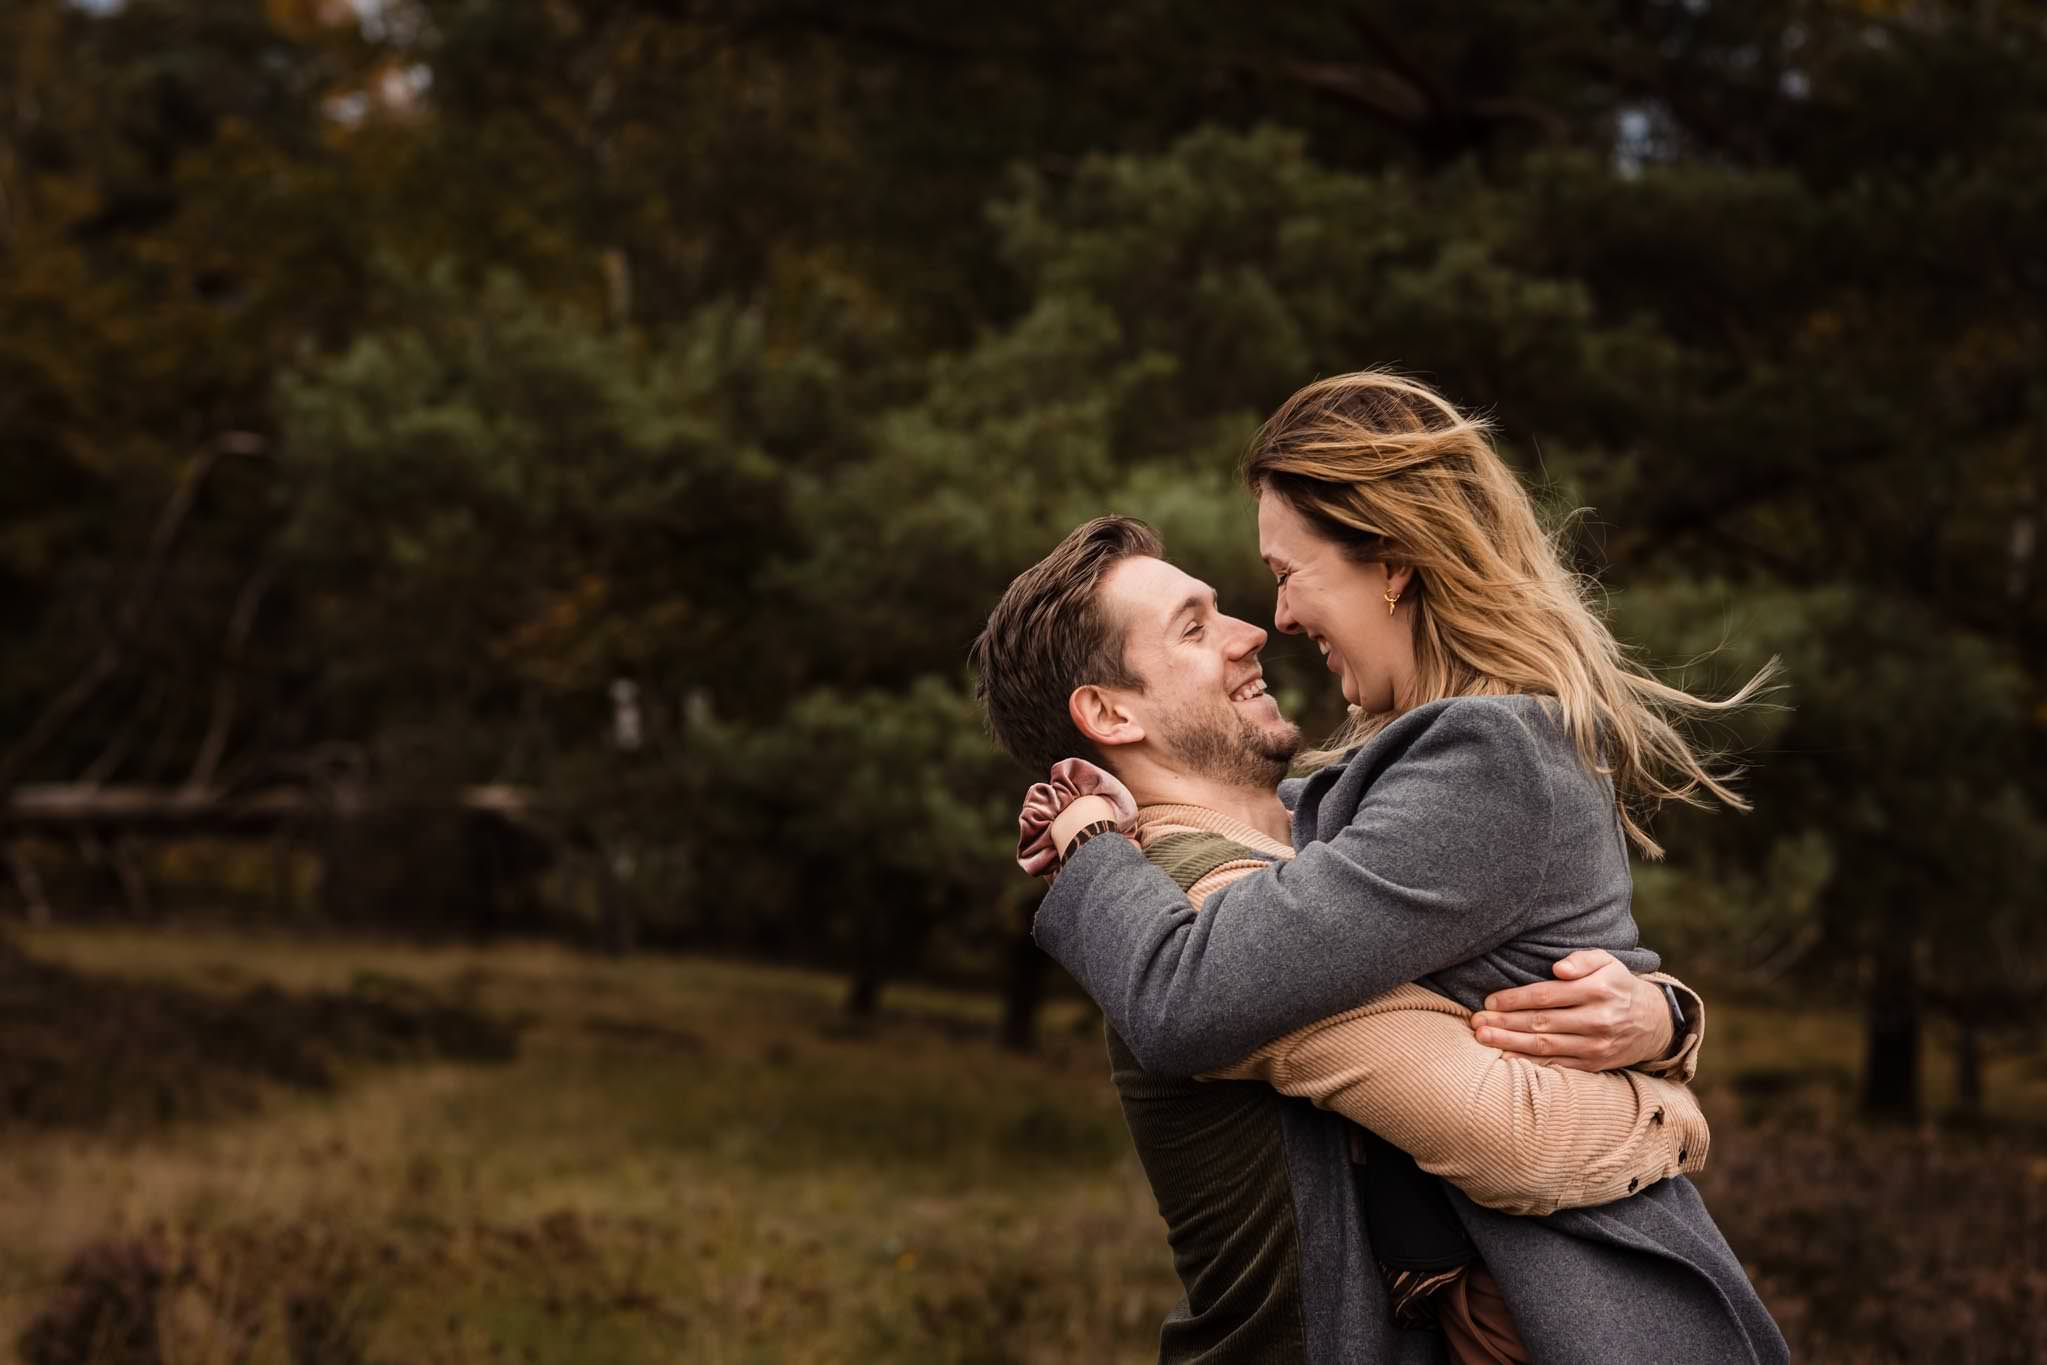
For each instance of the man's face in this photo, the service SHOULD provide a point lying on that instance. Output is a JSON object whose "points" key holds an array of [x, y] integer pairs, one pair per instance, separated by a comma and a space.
{"points": [[1204, 703]]}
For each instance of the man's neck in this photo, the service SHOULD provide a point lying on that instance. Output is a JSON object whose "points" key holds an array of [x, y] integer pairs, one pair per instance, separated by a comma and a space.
{"points": [[1257, 807]]}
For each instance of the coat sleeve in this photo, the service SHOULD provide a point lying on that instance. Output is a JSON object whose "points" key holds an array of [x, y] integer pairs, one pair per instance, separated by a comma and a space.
{"points": [[1441, 861], [1683, 1064]]}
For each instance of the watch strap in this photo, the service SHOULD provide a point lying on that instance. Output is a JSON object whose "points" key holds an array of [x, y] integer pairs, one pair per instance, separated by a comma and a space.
{"points": [[1677, 1022]]}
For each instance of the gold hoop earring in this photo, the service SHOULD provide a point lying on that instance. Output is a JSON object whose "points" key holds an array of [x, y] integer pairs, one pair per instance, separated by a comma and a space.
{"points": [[1392, 601]]}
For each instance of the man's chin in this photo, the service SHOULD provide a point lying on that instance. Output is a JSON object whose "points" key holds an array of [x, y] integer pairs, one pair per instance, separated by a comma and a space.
{"points": [[1246, 755], [1280, 743], [1275, 750]]}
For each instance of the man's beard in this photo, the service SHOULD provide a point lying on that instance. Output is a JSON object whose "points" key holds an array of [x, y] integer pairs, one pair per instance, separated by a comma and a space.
{"points": [[1228, 749]]}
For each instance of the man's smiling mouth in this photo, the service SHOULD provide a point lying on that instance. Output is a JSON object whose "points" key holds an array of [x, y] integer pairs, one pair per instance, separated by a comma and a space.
{"points": [[1250, 690]]}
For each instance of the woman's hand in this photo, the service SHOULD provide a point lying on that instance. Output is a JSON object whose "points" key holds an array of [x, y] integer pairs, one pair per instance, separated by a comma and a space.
{"points": [[1039, 824], [1597, 1016]]}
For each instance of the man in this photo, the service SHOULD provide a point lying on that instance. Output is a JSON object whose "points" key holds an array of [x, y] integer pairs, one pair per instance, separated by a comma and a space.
{"points": [[1104, 650]]}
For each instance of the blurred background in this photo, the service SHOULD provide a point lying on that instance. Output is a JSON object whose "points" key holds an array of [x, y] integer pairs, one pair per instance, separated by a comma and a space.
{"points": [[502, 862]]}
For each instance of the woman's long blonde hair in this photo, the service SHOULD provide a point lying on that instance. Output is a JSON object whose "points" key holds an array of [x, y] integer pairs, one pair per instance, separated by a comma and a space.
{"points": [[1389, 470]]}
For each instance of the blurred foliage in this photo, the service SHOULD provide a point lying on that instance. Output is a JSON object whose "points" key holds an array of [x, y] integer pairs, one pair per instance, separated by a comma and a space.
{"points": [[642, 405], [516, 510]]}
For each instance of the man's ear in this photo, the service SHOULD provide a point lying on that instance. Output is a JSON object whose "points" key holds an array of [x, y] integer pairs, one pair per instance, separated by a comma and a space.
{"points": [[1102, 718]]}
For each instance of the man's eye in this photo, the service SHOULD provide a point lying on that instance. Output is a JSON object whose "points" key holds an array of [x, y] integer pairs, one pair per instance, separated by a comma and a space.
{"points": [[1191, 632], [1283, 575]]}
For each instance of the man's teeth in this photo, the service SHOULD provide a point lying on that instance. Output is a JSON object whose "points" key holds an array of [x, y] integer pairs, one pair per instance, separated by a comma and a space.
{"points": [[1254, 688], [1323, 645]]}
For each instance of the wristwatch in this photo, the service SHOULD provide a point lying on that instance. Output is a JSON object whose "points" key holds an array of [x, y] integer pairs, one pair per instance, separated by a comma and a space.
{"points": [[1677, 1022]]}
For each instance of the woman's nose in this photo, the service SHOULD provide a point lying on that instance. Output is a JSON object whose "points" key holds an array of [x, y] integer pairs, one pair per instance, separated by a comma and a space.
{"points": [[1283, 617]]}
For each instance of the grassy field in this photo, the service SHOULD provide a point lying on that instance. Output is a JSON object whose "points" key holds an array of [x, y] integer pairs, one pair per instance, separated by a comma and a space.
{"points": [[383, 1154]]}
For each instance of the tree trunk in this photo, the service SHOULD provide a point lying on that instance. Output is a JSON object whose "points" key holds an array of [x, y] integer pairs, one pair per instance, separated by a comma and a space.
{"points": [[283, 904], [127, 861], [1024, 990], [28, 884], [1968, 1072], [863, 994], [889, 937], [863, 991], [618, 909], [1891, 1021]]}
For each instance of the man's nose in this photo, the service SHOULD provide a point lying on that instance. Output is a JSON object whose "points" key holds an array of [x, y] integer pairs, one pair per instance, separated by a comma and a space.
{"points": [[1249, 640]]}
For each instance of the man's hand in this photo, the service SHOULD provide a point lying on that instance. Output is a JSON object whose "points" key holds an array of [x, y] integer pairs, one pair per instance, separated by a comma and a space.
{"points": [[1596, 1016]]}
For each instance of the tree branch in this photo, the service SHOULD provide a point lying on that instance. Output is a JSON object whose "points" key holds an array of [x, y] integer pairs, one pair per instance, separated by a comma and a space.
{"points": [[221, 721], [1381, 40], [1380, 92], [111, 757], [127, 619]]}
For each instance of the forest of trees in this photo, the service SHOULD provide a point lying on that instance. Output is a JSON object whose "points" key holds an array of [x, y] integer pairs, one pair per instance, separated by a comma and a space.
{"points": [[641, 405]]}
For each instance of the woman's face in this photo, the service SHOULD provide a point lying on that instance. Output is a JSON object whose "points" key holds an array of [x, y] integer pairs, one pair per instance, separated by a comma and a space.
{"points": [[1340, 604]]}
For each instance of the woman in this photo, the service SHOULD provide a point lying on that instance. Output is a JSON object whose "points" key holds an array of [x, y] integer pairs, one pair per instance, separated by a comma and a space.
{"points": [[1467, 829]]}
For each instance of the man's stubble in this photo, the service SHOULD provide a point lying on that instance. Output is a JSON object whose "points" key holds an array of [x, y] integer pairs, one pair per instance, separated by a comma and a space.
{"points": [[1228, 749]]}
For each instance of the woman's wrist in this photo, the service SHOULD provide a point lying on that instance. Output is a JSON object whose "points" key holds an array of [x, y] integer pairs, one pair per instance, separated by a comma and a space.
{"points": [[1087, 832], [1079, 818]]}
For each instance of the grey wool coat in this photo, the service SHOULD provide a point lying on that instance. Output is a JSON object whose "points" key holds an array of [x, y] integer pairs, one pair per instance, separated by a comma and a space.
{"points": [[1466, 847]]}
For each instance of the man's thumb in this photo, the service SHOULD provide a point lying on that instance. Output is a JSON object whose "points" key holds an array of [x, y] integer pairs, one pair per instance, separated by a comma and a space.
{"points": [[1582, 963]]}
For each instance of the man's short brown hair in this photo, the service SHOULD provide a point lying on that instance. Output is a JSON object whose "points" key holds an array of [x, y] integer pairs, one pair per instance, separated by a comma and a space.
{"points": [[1050, 634]]}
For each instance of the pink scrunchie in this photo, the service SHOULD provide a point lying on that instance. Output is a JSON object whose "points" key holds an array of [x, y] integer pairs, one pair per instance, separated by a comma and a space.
{"points": [[1071, 778]]}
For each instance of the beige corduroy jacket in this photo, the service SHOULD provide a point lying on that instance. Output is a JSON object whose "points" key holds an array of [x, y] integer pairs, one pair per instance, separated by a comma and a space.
{"points": [[1513, 1134]]}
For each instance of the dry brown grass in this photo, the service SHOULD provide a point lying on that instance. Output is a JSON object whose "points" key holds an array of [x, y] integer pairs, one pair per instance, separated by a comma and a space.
{"points": [[685, 1161], [693, 1160]]}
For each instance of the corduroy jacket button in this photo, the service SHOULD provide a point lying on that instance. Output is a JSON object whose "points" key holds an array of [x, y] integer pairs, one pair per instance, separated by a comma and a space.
{"points": [[1632, 1183], [1680, 1154], [1657, 1117]]}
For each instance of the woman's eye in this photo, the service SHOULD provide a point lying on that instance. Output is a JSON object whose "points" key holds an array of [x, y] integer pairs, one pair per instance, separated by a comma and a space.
{"points": [[1284, 575]]}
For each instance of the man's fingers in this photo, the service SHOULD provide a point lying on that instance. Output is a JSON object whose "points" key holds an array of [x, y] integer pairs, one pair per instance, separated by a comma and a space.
{"points": [[1607, 980], [1584, 962], [1543, 1046], [1600, 1020], [1543, 995]]}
